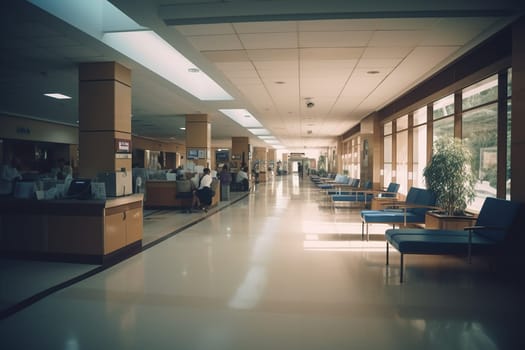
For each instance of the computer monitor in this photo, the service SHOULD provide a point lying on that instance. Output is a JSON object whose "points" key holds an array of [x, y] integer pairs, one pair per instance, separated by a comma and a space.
{"points": [[79, 189], [193, 154], [24, 190]]}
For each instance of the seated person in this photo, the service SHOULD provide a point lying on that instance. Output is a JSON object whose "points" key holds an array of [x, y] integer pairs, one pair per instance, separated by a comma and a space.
{"points": [[203, 195], [8, 175], [242, 177], [180, 173]]}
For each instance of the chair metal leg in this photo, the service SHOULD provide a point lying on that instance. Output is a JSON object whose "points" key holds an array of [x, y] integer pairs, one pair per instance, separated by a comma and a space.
{"points": [[387, 253], [362, 230], [401, 268]]}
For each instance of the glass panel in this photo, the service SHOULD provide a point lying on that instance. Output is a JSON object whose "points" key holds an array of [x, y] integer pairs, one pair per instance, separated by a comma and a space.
{"points": [[480, 93], [419, 155], [388, 149], [443, 128], [387, 178], [480, 134], [402, 123], [509, 128], [509, 82], [420, 116], [387, 128], [443, 107], [387, 164], [355, 160], [402, 161]]}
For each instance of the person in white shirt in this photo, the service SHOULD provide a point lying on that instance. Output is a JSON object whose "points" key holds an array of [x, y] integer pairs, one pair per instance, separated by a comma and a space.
{"points": [[242, 177], [8, 175], [203, 195]]}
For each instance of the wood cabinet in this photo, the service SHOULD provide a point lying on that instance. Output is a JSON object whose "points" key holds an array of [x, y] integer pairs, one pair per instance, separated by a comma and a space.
{"points": [[379, 203], [83, 230], [163, 193]]}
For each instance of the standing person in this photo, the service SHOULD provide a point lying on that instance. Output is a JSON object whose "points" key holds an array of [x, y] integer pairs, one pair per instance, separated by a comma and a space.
{"points": [[225, 178], [203, 194], [256, 172], [300, 169]]}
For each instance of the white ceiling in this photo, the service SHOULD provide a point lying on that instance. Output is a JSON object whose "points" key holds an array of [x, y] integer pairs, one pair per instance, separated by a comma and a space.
{"points": [[348, 62]]}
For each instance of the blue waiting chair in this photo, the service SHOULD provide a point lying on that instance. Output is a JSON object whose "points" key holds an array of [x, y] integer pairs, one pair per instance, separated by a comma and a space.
{"points": [[493, 225], [412, 211], [360, 196]]}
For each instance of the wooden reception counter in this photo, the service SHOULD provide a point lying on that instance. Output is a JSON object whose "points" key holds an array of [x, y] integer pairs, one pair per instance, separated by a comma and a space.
{"points": [[90, 231]]}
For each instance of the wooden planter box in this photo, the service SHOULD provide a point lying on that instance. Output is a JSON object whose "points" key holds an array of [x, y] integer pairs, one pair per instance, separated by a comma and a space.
{"points": [[436, 220]]}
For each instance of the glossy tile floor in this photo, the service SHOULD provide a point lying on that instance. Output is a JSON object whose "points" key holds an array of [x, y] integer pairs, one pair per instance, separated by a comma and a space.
{"points": [[276, 270]]}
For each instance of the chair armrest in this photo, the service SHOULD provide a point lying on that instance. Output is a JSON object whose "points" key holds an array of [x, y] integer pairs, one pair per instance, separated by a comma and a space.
{"points": [[471, 229]]}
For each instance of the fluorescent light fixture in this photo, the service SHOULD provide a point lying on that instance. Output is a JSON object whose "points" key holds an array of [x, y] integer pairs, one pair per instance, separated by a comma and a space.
{"points": [[150, 50], [263, 137], [259, 131], [182, 128], [105, 22], [272, 142], [58, 96], [241, 117]]}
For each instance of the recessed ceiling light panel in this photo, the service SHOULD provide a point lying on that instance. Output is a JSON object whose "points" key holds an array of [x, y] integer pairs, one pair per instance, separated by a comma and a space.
{"points": [[58, 96]]}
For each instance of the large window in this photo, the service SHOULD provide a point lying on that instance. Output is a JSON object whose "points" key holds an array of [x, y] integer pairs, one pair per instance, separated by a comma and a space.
{"points": [[480, 134], [480, 117]]}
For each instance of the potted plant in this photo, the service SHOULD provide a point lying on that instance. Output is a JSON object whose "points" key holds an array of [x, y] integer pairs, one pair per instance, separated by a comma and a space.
{"points": [[450, 176]]}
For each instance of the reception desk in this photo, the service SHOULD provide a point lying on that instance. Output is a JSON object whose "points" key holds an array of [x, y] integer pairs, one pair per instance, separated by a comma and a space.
{"points": [[163, 193], [71, 230]]}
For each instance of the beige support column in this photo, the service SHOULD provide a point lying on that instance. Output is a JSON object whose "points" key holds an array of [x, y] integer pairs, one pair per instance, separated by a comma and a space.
{"points": [[198, 139], [104, 118], [240, 153], [518, 111]]}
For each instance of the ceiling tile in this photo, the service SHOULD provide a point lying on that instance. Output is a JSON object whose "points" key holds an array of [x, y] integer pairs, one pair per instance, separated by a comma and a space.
{"points": [[386, 52], [378, 63], [331, 53], [269, 40], [241, 69], [395, 38], [311, 66], [227, 56], [334, 39], [273, 55], [367, 24], [206, 29], [265, 27], [456, 31], [215, 42]]}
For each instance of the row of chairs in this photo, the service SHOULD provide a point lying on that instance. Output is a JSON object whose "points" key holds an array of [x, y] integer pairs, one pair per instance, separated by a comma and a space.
{"points": [[493, 233]]}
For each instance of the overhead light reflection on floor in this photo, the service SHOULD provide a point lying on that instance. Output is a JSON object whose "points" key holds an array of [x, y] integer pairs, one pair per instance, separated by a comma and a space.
{"points": [[343, 245]]}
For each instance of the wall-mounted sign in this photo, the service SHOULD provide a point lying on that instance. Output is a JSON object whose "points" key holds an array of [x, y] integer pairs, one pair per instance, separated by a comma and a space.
{"points": [[122, 146], [23, 130]]}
